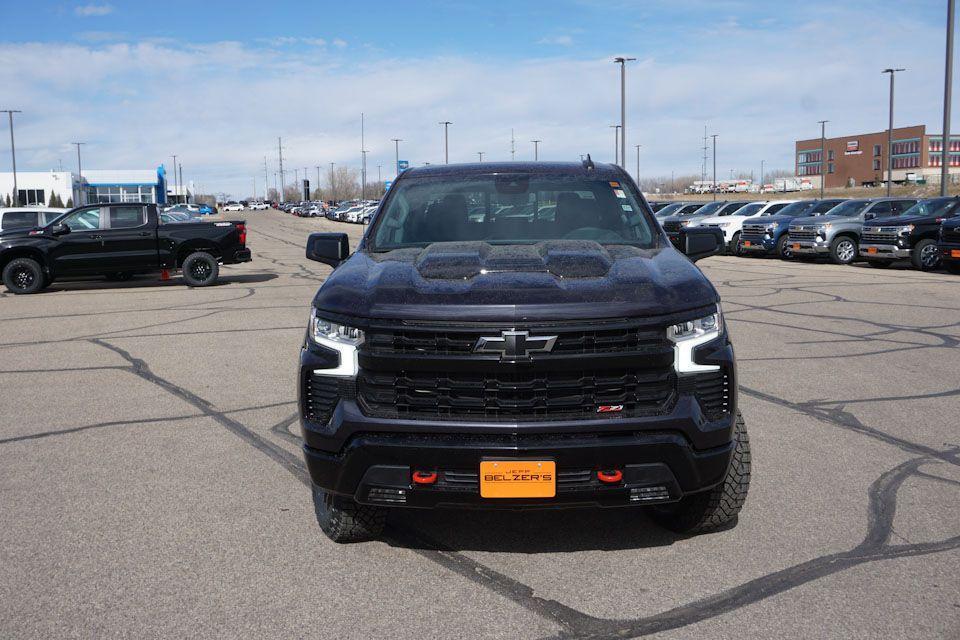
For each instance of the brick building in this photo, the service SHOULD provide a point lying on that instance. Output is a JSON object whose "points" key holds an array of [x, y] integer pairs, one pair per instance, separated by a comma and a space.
{"points": [[862, 158]]}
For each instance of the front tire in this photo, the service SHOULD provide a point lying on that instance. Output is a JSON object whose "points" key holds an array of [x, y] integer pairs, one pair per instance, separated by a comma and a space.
{"points": [[720, 506], [784, 252], [925, 255], [843, 250], [200, 269], [343, 520], [735, 247], [23, 276]]}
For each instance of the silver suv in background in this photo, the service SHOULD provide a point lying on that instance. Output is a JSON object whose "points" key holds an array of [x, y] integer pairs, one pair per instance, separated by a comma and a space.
{"points": [[836, 234]]}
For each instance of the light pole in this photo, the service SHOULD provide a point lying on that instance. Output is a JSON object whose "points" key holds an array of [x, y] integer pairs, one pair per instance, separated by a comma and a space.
{"points": [[318, 177], [761, 176], [536, 149], [947, 91], [176, 187], [80, 197], [396, 154], [480, 153], [616, 143], [892, 73], [13, 153], [823, 158], [283, 187], [180, 181], [623, 107], [638, 164], [714, 136], [333, 184], [446, 141]]}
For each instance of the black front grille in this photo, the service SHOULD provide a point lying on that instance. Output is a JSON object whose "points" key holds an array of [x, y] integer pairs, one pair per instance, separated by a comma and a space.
{"points": [[878, 236], [753, 230], [802, 234], [517, 395], [321, 394], [712, 391]]}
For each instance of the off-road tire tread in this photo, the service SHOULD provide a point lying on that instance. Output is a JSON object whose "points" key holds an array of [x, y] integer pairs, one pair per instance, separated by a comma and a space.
{"points": [[192, 282], [41, 280], [343, 520], [915, 255], [720, 506]]}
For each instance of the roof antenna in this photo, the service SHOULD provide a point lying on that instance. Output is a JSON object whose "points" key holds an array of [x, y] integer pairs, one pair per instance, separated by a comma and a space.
{"points": [[588, 164]]}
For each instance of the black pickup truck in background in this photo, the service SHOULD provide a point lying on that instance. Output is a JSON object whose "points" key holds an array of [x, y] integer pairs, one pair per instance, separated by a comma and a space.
{"points": [[949, 244], [118, 240], [912, 235]]}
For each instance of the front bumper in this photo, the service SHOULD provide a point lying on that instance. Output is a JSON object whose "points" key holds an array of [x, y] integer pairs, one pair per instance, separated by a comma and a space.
{"points": [[810, 247], [662, 457], [762, 244], [883, 252], [949, 251]]}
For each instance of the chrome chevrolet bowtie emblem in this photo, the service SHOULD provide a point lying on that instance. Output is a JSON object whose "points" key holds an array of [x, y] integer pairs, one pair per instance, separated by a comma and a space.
{"points": [[514, 345]]}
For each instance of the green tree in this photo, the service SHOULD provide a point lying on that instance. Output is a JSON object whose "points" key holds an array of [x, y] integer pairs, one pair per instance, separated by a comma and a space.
{"points": [[70, 203], [7, 203]]}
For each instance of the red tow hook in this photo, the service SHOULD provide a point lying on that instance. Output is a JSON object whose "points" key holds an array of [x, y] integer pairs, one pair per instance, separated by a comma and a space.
{"points": [[610, 476], [424, 477]]}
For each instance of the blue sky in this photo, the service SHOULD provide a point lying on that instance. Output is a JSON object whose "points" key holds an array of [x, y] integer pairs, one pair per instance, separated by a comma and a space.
{"points": [[217, 82]]}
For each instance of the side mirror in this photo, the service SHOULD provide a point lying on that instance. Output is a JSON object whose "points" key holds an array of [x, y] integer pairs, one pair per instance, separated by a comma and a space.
{"points": [[869, 216], [60, 229], [701, 242], [328, 248]]}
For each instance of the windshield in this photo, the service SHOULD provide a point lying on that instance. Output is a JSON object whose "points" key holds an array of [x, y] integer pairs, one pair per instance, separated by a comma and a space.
{"points": [[707, 209], [510, 209], [747, 210], [731, 208], [794, 209], [669, 210], [848, 208], [935, 207]]}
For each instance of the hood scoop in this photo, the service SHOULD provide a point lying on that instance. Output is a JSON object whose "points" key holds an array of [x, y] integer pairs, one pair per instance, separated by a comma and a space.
{"points": [[560, 258]]}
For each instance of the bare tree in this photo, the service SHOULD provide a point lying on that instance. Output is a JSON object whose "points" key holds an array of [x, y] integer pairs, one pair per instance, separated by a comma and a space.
{"points": [[344, 183], [292, 193], [272, 195]]}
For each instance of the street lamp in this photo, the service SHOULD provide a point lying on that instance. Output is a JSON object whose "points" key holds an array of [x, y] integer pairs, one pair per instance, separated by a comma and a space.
{"points": [[947, 91], [396, 150], [13, 153], [823, 166], [714, 136], [536, 149], [892, 73], [80, 197], [616, 143], [623, 107], [333, 184], [480, 153], [446, 141]]}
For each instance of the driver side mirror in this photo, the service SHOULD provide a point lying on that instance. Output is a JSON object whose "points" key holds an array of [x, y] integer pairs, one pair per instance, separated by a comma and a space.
{"points": [[60, 229], [700, 242], [869, 216], [328, 248]]}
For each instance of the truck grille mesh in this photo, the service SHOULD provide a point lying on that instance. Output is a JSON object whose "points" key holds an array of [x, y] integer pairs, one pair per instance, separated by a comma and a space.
{"points": [[516, 395], [712, 391]]}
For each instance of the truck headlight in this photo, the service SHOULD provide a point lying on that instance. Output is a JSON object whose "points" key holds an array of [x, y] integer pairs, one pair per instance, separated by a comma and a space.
{"points": [[772, 227], [905, 230], [340, 338], [686, 336], [822, 228], [687, 223]]}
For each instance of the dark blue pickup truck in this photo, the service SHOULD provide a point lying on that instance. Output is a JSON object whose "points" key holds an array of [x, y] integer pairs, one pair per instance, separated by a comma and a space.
{"points": [[768, 235]]}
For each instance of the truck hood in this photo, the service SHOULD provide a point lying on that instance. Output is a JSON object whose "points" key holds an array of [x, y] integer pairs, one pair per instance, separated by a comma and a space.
{"points": [[555, 280], [22, 232], [817, 220], [899, 221]]}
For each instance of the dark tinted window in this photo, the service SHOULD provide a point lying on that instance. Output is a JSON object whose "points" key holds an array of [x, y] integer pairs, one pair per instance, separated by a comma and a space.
{"points": [[881, 208], [20, 219], [899, 206], [510, 209], [774, 208], [932, 207], [126, 217]]}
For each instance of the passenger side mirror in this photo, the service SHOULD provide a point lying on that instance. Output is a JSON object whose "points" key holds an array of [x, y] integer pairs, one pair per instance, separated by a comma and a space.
{"points": [[869, 216], [701, 242], [60, 229], [328, 248]]}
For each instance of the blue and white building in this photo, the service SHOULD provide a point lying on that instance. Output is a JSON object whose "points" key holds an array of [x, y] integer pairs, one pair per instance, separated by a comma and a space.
{"points": [[95, 185]]}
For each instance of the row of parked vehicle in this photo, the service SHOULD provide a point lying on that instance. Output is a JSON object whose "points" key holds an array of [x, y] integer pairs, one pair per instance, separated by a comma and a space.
{"points": [[355, 211], [879, 231]]}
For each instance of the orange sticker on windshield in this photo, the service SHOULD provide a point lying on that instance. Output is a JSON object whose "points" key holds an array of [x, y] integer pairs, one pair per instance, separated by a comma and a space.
{"points": [[614, 184]]}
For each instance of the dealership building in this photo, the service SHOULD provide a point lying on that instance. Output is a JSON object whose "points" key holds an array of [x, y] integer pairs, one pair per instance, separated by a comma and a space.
{"points": [[861, 159], [95, 185]]}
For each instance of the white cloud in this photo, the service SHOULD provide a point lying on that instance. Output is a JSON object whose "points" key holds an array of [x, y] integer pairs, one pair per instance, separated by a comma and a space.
{"points": [[88, 10], [339, 43], [563, 41], [220, 106]]}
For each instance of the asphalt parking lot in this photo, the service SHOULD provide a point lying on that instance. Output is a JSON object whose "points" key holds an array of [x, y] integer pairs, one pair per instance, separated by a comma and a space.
{"points": [[151, 482]]}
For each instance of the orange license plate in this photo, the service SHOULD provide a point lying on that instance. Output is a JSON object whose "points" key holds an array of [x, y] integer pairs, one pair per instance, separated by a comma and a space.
{"points": [[518, 479], [746, 243], [796, 246], [955, 253], [871, 249]]}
